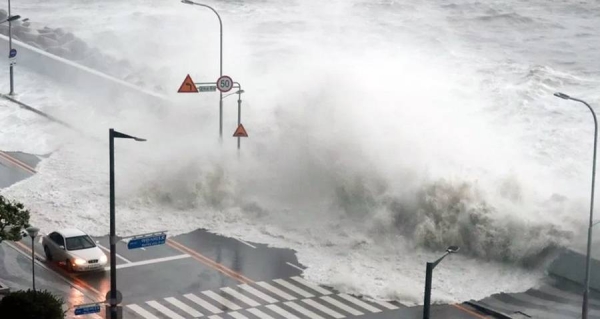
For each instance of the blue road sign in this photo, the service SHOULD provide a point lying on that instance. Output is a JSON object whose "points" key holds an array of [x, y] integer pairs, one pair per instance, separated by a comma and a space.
{"points": [[13, 53], [87, 309], [147, 241]]}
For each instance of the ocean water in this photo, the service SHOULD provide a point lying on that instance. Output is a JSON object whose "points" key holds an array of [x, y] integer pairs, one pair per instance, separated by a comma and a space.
{"points": [[380, 133]]}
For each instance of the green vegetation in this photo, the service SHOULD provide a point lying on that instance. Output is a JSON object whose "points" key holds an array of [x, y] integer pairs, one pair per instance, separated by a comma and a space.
{"points": [[13, 219], [31, 305]]}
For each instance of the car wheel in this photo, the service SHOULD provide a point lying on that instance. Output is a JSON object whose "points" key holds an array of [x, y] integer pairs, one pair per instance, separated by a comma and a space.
{"points": [[48, 254], [69, 266]]}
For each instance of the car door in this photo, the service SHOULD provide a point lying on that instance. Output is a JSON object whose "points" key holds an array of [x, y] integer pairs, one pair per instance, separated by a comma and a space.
{"points": [[57, 241]]}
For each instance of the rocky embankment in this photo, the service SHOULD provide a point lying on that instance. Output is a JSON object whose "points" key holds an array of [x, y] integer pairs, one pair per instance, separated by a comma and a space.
{"points": [[66, 45]]}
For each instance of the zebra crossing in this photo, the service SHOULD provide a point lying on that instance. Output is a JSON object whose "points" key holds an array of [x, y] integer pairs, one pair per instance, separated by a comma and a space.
{"points": [[291, 298]]}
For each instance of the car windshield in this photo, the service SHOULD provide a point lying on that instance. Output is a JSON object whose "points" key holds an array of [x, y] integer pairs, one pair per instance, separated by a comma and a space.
{"points": [[80, 242]]}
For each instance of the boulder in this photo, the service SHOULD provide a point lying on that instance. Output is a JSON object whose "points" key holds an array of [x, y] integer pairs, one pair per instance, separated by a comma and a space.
{"points": [[68, 37]]}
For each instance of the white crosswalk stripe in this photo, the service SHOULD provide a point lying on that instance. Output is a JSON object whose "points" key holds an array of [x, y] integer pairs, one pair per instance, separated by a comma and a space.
{"points": [[275, 290], [214, 317], [293, 288], [359, 303], [237, 315], [286, 314], [386, 304], [257, 293], [164, 310], [311, 285], [259, 313], [241, 297], [303, 310], [324, 309], [221, 300], [142, 312], [187, 309], [204, 304], [342, 306]]}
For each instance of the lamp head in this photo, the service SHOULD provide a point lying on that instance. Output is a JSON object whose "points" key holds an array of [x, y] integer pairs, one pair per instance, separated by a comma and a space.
{"points": [[562, 96], [452, 249], [32, 231], [139, 139], [186, 2], [13, 18]]}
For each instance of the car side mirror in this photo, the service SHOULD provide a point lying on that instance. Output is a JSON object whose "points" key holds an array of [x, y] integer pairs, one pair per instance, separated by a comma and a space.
{"points": [[61, 247]]}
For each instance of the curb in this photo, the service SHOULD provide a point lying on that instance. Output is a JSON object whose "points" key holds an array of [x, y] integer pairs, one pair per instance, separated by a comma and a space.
{"points": [[488, 310]]}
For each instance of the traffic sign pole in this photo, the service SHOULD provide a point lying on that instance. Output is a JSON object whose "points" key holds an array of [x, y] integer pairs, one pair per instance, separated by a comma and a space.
{"points": [[12, 86]]}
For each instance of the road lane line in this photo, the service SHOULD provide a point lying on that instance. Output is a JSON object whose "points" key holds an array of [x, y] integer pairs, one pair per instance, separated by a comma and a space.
{"points": [[237, 315], [385, 304], [164, 310], [218, 298], [303, 310], [292, 265], [359, 303], [246, 243], [257, 293], [202, 303], [324, 309], [259, 313], [282, 312], [142, 312], [189, 310], [275, 290], [149, 261], [118, 256], [17, 162], [241, 297], [293, 288], [342, 306], [311, 285], [471, 312], [209, 262]]}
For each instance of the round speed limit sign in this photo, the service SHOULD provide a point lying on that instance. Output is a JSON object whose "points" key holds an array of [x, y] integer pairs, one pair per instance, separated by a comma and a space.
{"points": [[224, 83]]}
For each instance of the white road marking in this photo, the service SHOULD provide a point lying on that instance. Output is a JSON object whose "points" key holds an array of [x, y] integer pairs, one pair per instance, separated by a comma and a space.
{"points": [[149, 262], [257, 293], [204, 304], [118, 256], [191, 311], [359, 303], [385, 304], [342, 306], [293, 288], [214, 317], [284, 313], [237, 315], [241, 297], [303, 310], [246, 243], [221, 300], [324, 309], [142, 312], [259, 313], [292, 265], [312, 286], [164, 310], [275, 290]]}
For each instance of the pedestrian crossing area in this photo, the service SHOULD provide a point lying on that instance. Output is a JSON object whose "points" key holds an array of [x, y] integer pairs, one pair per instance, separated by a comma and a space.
{"points": [[290, 298]]}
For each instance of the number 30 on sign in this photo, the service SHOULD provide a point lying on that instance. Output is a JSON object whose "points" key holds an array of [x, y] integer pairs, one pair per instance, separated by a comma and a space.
{"points": [[224, 83]]}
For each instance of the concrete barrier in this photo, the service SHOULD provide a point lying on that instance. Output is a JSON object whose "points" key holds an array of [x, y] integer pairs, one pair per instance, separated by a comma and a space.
{"points": [[570, 265], [76, 75]]}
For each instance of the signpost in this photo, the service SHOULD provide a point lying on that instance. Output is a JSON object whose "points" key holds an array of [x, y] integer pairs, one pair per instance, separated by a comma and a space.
{"points": [[87, 309], [210, 88], [12, 56], [225, 84], [147, 240]]}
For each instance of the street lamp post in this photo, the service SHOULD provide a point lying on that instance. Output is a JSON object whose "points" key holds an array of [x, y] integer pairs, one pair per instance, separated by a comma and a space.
{"points": [[239, 103], [220, 61], [586, 291], [12, 86], [428, 277], [112, 134], [32, 232]]}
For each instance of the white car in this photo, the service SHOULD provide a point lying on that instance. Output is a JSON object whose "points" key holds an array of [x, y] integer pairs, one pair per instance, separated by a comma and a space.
{"points": [[75, 248]]}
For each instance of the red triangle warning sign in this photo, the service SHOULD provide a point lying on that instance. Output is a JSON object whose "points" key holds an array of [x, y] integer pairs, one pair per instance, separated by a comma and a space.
{"points": [[240, 131], [188, 86]]}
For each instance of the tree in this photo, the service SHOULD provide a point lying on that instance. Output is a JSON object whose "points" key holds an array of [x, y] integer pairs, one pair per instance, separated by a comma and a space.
{"points": [[13, 218], [31, 304]]}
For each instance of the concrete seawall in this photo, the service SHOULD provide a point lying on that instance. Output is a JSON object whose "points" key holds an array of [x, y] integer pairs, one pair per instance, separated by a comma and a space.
{"points": [[76, 75], [570, 265]]}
